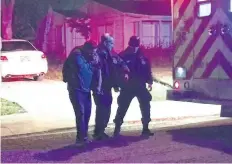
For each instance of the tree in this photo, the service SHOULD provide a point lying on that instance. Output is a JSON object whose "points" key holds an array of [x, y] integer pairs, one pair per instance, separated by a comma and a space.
{"points": [[7, 7], [81, 25], [27, 13]]}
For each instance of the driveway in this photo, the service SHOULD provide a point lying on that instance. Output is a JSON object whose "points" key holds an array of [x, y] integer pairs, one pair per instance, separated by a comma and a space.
{"points": [[49, 99], [37, 97]]}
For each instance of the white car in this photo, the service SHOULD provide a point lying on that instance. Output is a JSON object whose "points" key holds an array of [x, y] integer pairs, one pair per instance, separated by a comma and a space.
{"points": [[19, 59]]}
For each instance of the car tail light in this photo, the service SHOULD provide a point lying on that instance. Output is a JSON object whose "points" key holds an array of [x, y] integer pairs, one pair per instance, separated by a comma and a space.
{"points": [[43, 56], [176, 85], [4, 58]]}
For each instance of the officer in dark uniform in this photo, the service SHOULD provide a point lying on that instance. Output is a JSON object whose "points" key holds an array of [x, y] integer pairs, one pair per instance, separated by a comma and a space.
{"points": [[103, 99], [140, 74]]}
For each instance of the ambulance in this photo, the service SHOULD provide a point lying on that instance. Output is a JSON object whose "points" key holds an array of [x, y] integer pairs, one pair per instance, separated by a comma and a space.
{"points": [[202, 61]]}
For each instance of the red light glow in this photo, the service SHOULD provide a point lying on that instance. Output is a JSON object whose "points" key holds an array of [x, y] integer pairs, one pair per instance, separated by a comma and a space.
{"points": [[4, 58], [176, 85], [43, 56]]}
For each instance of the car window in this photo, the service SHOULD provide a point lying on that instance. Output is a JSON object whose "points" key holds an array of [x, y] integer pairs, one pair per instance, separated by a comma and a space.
{"points": [[17, 46]]}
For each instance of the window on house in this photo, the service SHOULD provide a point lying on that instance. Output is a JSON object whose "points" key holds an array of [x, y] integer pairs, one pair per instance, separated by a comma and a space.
{"points": [[150, 33], [136, 29], [204, 8], [109, 28], [78, 39], [100, 31], [165, 34]]}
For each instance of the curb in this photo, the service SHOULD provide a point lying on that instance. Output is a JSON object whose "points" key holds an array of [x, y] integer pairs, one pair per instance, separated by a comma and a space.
{"points": [[127, 124], [161, 112], [12, 116]]}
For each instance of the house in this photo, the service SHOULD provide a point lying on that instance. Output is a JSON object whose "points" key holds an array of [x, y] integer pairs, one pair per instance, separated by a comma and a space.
{"points": [[150, 20]]}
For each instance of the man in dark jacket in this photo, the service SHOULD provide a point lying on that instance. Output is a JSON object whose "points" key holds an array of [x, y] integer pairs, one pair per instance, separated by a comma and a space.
{"points": [[103, 101], [140, 74], [78, 71]]}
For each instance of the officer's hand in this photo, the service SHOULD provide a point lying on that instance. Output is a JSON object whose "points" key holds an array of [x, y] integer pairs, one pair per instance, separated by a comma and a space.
{"points": [[96, 59], [126, 77], [116, 89], [99, 92], [149, 87]]}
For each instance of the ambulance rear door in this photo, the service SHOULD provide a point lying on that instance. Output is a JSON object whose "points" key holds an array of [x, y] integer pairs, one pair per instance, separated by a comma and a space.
{"points": [[224, 55], [205, 69], [183, 32]]}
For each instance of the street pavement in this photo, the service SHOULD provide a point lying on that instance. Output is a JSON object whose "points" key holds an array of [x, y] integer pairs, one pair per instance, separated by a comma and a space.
{"points": [[198, 144]]}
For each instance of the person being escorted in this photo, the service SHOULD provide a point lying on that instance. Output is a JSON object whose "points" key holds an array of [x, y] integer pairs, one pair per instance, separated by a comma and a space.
{"points": [[140, 74], [78, 70], [103, 99]]}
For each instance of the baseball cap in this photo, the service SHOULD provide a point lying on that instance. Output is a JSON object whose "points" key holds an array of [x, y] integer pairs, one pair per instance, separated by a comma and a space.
{"points": [[134, 41], [90, 44]]}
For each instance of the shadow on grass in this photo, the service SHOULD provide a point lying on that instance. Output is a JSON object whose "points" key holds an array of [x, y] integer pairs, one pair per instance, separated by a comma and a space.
{"points": [[67, 152]]}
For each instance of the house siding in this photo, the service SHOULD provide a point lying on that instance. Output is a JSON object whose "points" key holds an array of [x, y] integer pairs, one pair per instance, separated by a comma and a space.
{"points": [[160, 21], [112, 24], [72, 39], [128, 30], [105, 19], [119, 34], [100, 25]]}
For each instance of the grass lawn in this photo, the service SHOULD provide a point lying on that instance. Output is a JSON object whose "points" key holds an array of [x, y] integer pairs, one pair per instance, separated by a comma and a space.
{"points": [[8, 107]]}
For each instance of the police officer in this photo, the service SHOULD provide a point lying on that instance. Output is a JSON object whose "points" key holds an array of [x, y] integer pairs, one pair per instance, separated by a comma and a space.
{"points": [[140, 74], [78, 71], [103, 99]]}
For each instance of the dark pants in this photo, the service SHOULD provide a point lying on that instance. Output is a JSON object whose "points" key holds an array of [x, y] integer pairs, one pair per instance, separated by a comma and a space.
{"points": [[124, 99], [103, 110], [81, 102]]}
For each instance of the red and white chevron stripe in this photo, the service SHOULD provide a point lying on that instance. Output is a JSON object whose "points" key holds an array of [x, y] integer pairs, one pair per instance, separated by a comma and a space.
{"points": [[214, 53]]}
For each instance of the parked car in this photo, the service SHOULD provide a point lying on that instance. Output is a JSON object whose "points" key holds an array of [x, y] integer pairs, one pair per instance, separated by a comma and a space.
{"points": [[19, 59]]}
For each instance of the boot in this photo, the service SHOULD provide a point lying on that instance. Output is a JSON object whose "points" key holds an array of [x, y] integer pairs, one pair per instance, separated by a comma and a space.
{"points": [[146, 131], [100, 136], [87, 140], [79, 142], [117, 130]]}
